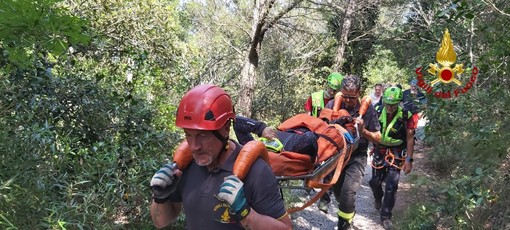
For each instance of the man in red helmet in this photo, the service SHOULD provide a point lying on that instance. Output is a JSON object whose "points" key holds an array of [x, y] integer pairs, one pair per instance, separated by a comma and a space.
{"points": [[212, 197]]}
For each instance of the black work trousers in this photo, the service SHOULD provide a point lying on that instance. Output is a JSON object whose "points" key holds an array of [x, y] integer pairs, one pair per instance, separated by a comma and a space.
{"points": [[350, 181], [391, 176]]}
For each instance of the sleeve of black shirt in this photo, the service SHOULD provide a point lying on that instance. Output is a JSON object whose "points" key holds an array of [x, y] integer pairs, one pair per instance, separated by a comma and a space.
{"points": [[244, 127], [371, 120], [330, 104]]}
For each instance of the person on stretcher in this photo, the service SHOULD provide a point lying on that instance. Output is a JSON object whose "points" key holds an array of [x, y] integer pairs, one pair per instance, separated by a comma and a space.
{"points": [[299, 140]]}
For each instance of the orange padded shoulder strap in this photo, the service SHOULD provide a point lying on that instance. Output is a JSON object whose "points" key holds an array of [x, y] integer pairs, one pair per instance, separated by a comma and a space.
{"points": [[247, 156]]}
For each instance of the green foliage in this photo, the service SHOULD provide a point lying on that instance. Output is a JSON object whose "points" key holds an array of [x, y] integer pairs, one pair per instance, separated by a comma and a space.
{"points": [[285, 83], [217, 48], [383, 68], [89, 89], [29, 28], [467, 149], [83, 150], [467, 133], [82, 133], [465, 194], [495, 213], [419, 216], [483, 140]]}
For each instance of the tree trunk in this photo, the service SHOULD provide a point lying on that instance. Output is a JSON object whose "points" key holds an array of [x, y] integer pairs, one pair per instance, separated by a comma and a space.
{"points": [[261, 23], [343, 35], [248, 72], [247, 89]]}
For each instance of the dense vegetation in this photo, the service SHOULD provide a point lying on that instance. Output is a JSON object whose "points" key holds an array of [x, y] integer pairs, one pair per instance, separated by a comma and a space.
{"points": [[88, 92]]}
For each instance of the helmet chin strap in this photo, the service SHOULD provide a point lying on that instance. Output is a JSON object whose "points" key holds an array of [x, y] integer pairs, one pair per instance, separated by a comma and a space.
{"points": [[224, 141]]}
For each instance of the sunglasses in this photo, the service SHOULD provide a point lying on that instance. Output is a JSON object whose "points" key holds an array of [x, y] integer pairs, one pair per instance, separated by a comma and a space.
{"points": [[349, 97]]}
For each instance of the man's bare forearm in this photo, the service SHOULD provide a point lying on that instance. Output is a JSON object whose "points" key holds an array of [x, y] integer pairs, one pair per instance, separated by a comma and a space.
{"points": [[255, 221], [164, 214], [374, 137], [410, 143]]}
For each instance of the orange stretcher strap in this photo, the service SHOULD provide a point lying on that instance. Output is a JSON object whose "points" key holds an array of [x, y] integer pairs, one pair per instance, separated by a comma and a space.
{"points": [[324, 186]]}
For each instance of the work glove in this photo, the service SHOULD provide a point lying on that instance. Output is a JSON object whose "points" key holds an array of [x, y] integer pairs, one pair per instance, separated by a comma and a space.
{"points": [[164, 182], [232, 192]]}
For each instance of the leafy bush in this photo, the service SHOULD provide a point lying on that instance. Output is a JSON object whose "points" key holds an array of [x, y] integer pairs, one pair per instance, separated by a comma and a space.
{"points": [[420, 216], [87, 154], [467, 151], [85, 119]]}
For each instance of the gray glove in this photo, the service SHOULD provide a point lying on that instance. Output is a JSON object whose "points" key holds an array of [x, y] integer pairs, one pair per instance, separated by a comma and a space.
{"points": [[232, 192], [164, 182]]}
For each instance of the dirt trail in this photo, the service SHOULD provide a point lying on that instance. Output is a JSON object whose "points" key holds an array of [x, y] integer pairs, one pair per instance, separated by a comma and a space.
{"points": [[367, 218]]}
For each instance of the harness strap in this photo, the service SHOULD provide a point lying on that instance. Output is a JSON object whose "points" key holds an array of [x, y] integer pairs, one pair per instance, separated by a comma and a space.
{"points": [[330, 139], [389, 159], [317, 102]]}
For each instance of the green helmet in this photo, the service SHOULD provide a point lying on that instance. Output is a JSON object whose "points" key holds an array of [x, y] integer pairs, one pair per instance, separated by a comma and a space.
{"points": [[335, 80], [392, 95]]}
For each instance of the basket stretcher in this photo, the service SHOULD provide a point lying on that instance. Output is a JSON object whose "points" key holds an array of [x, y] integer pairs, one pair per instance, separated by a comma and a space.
{"points": [[313, 178]]}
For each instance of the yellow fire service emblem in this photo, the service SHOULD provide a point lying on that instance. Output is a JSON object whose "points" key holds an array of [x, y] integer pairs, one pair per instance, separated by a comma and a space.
{"points": [[446, 56], [444, 72]]}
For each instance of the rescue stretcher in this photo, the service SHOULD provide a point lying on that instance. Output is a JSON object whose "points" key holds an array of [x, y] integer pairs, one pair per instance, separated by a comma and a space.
{"points": [[301, 174], [328, 162], [316, 177], [336, 144], [289, 182]]}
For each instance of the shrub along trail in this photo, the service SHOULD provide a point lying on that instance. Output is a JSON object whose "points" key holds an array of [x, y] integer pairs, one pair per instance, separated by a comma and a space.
{"points": [[366, 217]]}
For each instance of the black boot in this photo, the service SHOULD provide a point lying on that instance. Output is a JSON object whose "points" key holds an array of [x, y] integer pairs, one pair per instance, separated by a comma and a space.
{"points": [[343, 224], [387, 224], [377, 204], [324, 201]]}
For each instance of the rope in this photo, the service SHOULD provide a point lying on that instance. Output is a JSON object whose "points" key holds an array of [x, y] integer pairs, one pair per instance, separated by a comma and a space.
{"points": [[390, 159]]}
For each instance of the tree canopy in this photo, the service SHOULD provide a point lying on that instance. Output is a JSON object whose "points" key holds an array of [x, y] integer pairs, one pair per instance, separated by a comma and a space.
{"points": [[89, 90]]}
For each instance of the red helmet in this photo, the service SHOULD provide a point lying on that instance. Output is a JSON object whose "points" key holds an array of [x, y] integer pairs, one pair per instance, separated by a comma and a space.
{"points": [[205, 107]]}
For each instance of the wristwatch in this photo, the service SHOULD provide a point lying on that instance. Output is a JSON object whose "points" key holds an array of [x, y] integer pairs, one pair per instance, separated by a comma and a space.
{"points": [[408, 159]]}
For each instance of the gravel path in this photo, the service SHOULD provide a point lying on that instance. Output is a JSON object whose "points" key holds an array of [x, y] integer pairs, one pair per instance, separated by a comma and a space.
{"points": [[313, 219], [367, 218]]}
